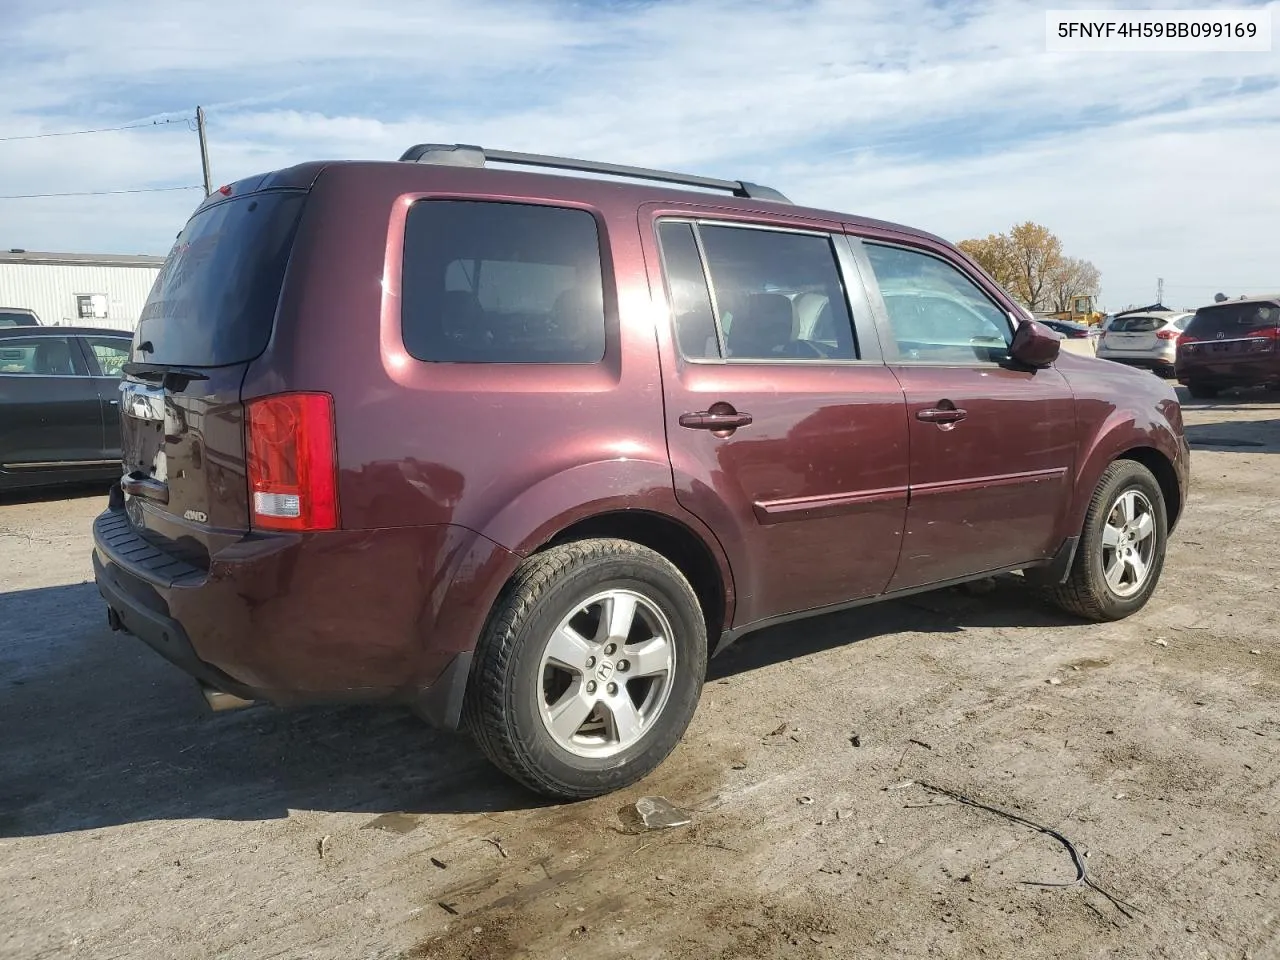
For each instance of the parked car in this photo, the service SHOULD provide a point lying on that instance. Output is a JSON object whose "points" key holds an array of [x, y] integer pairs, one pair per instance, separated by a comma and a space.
{"points": [[1231, 344], [522, 449], [18, 317], [1070, 329], [59, 404], [1148, 340]]}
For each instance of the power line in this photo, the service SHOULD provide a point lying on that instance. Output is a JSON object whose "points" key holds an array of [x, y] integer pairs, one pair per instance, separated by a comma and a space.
{"points": [[77, 133], [97, 193]]}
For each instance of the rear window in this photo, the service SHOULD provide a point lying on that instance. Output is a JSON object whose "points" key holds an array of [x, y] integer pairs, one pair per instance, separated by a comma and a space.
{"points": [[491, 282], [214, 301], [1136, 324], [17, 318], [1234, 319]]}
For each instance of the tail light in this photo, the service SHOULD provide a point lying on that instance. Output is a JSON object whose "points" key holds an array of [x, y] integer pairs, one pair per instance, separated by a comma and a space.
{"points": [[1167, 334], [292, 462]]}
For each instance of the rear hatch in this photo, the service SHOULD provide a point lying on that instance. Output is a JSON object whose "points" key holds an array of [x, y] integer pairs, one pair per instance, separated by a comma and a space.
{"points": [[1229, 338], [210, 313], [1134, 334]]}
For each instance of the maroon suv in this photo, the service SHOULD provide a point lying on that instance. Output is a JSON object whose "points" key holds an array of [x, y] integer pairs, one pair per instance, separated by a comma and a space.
{"points": [[1235, 343], [521, 449]]}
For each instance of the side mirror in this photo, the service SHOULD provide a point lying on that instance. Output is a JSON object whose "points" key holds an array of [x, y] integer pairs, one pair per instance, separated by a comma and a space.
{"points": [[1034, 344]]}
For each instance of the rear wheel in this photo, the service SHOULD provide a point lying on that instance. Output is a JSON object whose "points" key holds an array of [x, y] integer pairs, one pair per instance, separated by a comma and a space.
{"points": [[1122, 546], [589, 670], [1202, 391]]}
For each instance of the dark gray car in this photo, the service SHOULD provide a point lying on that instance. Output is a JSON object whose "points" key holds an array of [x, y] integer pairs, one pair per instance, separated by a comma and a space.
{"points": [[59, 404]]}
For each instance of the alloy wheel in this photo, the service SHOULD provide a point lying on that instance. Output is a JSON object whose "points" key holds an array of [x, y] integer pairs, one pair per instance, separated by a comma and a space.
{"points": [[1128, 543], [606, 673]]}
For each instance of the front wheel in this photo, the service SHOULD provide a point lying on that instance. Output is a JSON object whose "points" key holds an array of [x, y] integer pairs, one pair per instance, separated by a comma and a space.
{"points": [[1122, 546], [589, 670]]}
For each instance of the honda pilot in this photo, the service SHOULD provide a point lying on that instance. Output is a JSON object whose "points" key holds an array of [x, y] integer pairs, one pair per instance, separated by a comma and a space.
{"points": [[522, 449]]}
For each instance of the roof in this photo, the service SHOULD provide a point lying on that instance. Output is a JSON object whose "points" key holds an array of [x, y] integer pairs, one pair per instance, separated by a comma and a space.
{"points": [[1261, 298], [43, 331], [1157, 314], [569, 185], [81, 259]]}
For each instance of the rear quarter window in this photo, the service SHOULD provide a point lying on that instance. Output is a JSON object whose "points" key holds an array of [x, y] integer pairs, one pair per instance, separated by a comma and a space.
{"points": [[492, 282]]}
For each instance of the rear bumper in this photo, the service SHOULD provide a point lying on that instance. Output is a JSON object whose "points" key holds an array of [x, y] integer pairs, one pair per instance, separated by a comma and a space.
{"points": [[1246, 373], [1148, 361], [142, 617], [324, 618]]}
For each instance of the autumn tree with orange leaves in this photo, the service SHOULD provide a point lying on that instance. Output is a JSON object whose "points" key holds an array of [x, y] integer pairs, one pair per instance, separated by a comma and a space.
{"points": [[1029, 263]]}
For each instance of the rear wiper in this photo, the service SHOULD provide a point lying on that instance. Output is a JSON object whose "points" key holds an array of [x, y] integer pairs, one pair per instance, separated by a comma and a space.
{"points": [[163, 373]]}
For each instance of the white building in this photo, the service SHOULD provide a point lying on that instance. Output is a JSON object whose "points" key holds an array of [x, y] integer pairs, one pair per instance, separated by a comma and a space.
{"points": [[98, 290]]}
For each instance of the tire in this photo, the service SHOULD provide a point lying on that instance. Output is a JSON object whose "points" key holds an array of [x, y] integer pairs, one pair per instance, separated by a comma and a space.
{"points": [[523, 701], [1087, 591], [1202, 391]]}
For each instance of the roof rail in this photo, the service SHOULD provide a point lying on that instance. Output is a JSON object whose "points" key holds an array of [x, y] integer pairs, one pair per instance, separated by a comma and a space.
{"points": [[466, 155]]}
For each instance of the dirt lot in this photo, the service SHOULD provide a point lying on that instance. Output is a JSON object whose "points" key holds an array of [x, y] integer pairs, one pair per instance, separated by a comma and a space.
{"points": [[134, 823]]}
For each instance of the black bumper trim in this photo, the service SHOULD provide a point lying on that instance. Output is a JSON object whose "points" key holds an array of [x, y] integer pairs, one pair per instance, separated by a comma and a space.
{"points": [[113, 534], [161, 633]]}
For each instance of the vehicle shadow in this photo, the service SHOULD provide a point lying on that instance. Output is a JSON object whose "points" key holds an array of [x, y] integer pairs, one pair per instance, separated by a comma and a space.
{"points": [[1235, 436], [1233, 399], [63, 491], [100, 731]]}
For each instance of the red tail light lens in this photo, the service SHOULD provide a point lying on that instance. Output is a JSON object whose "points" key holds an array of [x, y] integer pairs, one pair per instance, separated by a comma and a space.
{"points": [[1167, 334], [292, 463]]}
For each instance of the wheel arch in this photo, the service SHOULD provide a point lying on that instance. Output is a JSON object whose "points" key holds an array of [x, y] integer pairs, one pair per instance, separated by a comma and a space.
{"points": [[1166, 476], [631, 499], [1143, 436], [674, 540]]}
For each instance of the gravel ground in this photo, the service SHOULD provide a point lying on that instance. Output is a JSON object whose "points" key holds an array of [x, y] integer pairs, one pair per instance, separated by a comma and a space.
{"points": [[133, 823]]}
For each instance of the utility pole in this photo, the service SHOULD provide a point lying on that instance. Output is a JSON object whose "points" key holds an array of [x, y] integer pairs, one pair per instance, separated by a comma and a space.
{"points": [[204, 152], [1159, 289]]}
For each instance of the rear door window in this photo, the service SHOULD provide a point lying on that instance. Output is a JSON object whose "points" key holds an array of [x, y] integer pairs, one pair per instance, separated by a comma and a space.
{"points": [[214, 302], [41, 357], [491, 282], [1234, 320], [17, 318], [778, 294]]}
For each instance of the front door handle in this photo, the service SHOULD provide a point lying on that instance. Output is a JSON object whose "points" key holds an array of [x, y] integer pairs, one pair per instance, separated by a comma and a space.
{"points": [[715, 420], [941, 414]]}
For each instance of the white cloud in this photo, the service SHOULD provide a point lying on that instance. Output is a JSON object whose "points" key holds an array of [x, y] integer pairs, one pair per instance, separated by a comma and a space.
{"points": [[952, 118]]}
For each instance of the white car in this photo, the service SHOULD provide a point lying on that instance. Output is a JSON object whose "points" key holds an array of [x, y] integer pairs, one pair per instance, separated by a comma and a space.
{"points": [[1147, 339]]}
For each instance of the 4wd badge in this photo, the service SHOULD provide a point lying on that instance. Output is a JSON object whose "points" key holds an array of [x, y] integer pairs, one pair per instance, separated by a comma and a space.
{"points": [[195, 516]]}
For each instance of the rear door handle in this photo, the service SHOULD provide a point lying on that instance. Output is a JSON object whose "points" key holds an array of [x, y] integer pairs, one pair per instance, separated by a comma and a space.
{"points": [[706, 420], [941, 414]]}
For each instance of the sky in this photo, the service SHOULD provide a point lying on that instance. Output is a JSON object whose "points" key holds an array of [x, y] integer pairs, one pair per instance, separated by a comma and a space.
{"points": [[949, 116]]}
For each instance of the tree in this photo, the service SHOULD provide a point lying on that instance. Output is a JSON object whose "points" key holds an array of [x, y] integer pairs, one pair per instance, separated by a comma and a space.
{"points": [[1028, 262], [1073, 278], [995, 255], [1037, 254]]}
